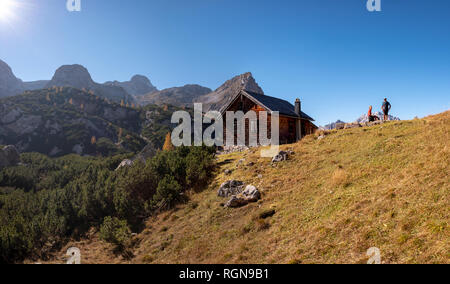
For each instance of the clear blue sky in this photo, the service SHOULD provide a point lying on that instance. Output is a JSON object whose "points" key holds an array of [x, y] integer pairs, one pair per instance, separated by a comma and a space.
{"points": [[333, 54]]}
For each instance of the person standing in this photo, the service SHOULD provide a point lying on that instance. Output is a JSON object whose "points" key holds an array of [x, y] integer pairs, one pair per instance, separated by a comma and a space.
{"points": [[386, 108]]}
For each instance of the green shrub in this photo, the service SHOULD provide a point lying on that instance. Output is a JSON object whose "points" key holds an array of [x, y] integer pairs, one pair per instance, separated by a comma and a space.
{"points": [[167, 194], [115, 231]]}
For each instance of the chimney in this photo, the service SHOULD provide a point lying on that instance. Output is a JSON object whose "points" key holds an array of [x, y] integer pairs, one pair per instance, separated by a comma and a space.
{"points": [[298, 123], [298, 107]]}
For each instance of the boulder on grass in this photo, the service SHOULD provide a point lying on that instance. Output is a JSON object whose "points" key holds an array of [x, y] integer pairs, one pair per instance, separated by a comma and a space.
{"points": [[250, 194], [281, 157], [236, 202], [230, 188]]}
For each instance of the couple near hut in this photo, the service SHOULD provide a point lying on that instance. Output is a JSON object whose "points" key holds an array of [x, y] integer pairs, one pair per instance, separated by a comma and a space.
{"points": [[386, 107]]}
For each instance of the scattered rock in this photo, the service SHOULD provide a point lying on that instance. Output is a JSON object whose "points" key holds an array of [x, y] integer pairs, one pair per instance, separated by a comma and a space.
{"points": [[340, 125], [230, 188], [260, 176], [228, 172], [267, 213], [239, 196], [233, 149], [378, 122], [78, 149], [240, 163], [9, 156], [352, 125], [125, 163], [282, 156], [236, 202], [251, 193]]}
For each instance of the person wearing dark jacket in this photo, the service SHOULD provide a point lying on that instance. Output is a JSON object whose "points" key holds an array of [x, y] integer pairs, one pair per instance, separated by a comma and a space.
{"points": [[386, 108]]}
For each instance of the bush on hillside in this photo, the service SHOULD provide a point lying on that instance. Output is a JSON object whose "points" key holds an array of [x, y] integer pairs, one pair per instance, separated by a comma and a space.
{"points": [[115, 231]]}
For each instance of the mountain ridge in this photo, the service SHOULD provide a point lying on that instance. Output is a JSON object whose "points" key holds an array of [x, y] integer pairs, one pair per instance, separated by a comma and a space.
{"points": [[138, 90], [184, 96], [137, 86]]}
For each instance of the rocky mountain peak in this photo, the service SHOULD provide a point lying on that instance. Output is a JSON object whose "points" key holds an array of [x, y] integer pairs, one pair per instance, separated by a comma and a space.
{"points": [[138, 85], [9, 84], [78, 77], [140, 79], [225, 93], [72, 75], [241, 82], [4, 67]]}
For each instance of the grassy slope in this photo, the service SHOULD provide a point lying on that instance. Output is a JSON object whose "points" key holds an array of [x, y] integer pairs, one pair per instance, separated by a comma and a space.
{"points": [[386, 186]]}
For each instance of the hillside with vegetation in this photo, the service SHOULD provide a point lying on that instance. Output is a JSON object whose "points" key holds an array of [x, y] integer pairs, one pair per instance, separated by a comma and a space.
{"points": [[46, 202], [63, 120], [341, 193]]}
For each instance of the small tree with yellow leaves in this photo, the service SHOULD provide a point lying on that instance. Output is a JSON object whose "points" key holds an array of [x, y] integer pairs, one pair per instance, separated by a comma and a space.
{"points": [[168, 146]]}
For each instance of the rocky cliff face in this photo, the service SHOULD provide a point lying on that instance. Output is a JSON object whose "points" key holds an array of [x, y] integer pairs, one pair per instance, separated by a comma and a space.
{"points": [[78, 77], [179, 96], [138, 85], [72, 76], [9, 156], [63, 120], [225, 93], [9, 84]]}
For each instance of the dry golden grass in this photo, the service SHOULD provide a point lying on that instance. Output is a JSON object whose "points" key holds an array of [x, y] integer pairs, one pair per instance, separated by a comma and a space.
{"points": [[387, 186]]}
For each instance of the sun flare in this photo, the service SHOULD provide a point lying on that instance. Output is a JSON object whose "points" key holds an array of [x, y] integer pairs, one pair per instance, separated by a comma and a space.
{"points": [[7, 10]]}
